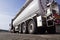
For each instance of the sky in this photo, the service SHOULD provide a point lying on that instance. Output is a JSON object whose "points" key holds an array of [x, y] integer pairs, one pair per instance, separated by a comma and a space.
{"points": [[8, 9]]}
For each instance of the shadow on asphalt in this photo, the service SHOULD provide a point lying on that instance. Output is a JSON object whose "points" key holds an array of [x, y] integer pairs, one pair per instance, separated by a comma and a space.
{"points": [[47, 34]]}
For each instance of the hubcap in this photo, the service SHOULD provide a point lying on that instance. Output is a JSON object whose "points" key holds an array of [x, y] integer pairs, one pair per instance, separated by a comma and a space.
{"points": [[24, 29], [31, 28], [20, 29]]}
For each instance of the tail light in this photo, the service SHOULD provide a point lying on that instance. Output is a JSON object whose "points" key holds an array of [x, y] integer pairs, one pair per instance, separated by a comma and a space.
{"points": [[57, 17], [55, 14]]}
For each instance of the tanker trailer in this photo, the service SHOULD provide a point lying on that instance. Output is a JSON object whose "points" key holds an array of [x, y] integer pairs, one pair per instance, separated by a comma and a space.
{"points": [[36, 16]]}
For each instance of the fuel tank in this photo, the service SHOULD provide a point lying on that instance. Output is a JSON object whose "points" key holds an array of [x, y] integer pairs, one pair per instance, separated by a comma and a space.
{"points": [[35, 7], [27, 12]]}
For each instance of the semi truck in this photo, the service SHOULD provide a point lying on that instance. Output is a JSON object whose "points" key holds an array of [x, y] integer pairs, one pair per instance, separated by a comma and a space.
{"points": [[37, 16]]}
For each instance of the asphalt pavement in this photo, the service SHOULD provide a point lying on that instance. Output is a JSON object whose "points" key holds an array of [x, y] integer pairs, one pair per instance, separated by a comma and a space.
{"points": [[16, 36]]}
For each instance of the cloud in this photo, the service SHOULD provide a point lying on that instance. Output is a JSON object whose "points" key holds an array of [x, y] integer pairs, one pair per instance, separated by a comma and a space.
{"points": [[4, 21]]}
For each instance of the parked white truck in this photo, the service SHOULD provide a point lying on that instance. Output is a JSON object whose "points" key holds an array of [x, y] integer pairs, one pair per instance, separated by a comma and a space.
{"points": [[37, 16]]}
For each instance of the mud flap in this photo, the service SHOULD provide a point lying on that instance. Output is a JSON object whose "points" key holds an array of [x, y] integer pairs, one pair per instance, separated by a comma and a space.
{"points": [[39, 21]]}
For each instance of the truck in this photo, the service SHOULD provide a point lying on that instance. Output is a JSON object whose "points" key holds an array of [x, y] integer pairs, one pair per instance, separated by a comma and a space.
{"points": [[37, 16]]}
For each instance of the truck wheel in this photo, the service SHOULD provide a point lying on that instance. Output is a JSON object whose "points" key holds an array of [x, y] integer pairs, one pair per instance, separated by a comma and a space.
{"points": [[24, 28], [51, 30], [14, 30], [19, 28], [32, 27], [41, 30], [11, 31]]}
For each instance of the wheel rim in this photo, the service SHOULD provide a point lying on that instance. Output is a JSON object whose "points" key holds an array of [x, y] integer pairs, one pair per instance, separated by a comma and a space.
{"points": [[24, 28], [31, 28], [20, 29]]}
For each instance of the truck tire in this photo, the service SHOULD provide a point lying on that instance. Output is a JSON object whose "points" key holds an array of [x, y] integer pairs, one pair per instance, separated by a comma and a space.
{"points": [[11, 31], [32, 27], [24, 28], [20, 29], [14, 30], [51, 30], [41, 30]]}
